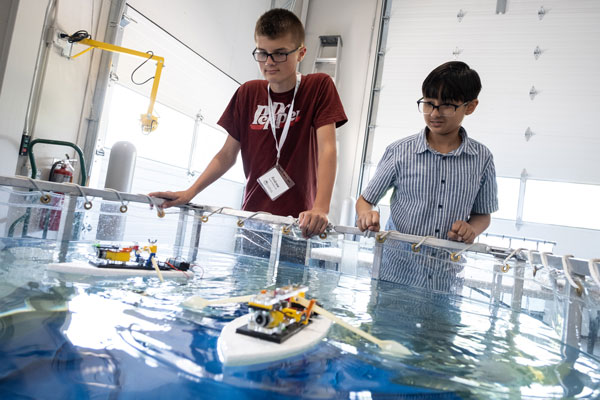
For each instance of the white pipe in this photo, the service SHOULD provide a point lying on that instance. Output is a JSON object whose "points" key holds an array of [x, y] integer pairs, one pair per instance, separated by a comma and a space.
{"points": [[42, 59]]}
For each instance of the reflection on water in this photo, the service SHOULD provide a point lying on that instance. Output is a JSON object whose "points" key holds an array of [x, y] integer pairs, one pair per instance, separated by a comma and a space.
{"points": [[131, 339]]}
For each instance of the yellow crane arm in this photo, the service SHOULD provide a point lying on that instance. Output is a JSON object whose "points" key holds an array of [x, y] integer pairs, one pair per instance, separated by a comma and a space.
{"points": [[149, 121]]}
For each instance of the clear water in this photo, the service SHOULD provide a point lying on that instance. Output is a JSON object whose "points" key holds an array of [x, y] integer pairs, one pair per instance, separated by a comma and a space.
{"points": [[68, 338]]}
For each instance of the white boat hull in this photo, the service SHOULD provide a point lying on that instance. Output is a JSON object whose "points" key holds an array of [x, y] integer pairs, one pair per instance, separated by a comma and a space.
{"points": [[238, 349], [84, 268]]}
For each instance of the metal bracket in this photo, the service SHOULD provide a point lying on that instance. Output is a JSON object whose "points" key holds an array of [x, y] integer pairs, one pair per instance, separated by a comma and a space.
{"points": [[541, 13], [113, 77], [126, 20], [528, 133], [66, 48], [501, 7], [521, 201], [533, 92]]}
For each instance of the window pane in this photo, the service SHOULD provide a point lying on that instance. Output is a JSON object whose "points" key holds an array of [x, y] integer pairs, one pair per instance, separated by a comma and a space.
{"points": [[369, 172], [512, 242], [560, 203], [508, 198], [169, 143], [208, 143], [188, 83]]}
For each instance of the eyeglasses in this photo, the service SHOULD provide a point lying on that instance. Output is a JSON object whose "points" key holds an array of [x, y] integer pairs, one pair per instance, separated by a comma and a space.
{"points": [[445, 110], [278, 57]]}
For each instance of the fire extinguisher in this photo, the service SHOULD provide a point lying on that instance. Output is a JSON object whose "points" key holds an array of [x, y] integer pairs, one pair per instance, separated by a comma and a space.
{"points": [[61, 172]]}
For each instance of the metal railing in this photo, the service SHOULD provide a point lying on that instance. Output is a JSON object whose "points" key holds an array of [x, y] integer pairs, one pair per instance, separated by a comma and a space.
{"points": [[577, 265], [575, 270]]}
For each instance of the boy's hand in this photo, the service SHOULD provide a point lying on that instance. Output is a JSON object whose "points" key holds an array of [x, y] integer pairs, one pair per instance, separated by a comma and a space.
{"points": [[462, 231], [313, 222], [368, 220], [173, 198]]}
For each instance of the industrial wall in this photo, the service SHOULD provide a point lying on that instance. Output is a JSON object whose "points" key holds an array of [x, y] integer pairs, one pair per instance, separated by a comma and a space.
{"points": [[221, 32], [539, 91], [64, 88], [20, 39]]}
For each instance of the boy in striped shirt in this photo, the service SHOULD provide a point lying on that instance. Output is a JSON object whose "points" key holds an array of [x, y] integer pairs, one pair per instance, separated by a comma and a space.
{"points": [[444, 183]]}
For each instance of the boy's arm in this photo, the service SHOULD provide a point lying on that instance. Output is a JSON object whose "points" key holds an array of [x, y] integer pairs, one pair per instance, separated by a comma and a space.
{"points": [[462, 231], [313, 222], [485, 203], [367, 218], [220, 164]]}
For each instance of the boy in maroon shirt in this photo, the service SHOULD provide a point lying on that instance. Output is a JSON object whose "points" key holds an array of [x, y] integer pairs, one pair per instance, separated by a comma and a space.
{"points": [[284, 127]]}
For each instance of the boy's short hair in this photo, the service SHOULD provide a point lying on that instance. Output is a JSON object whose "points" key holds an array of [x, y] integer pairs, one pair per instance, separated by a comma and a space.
{"points": [[278, 22], [452, 81]]}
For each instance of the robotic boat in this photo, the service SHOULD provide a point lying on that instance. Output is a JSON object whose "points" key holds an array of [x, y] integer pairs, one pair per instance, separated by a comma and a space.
{"points": [[280, 323], [276, 326], [113, 260]]}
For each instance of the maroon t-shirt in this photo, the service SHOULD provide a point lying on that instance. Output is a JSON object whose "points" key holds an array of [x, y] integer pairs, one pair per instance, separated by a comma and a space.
{"points": [[246, 119]]}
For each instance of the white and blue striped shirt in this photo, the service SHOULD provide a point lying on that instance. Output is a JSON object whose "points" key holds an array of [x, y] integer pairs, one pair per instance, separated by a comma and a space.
{"points": [[433, 190]]}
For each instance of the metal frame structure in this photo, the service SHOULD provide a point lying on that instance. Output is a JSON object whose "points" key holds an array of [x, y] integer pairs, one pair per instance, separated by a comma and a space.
{"points": [[578, 266], [575, 270]]}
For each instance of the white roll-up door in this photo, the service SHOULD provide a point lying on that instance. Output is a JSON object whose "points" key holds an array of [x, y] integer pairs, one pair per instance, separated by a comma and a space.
{"points": [[562, 76], [189, 83]]}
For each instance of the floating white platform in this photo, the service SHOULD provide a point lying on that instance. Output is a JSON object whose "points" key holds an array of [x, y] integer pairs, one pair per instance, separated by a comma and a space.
{"points": [[238, 349], [84, 268]]}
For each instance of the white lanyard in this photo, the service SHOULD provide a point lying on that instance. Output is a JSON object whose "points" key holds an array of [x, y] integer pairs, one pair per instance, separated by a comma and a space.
{"points": [[286, 126]]}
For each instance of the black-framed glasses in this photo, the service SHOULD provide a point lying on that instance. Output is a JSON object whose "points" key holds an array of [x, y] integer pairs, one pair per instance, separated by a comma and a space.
{"points": [[278, 56], [445, 110]]}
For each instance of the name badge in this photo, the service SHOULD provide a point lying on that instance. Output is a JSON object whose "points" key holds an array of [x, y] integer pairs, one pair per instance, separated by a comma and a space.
{"points": [[275, 182]]}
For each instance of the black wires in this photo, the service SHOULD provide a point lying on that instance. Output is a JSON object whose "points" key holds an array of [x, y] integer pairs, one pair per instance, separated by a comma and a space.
{"points": [[76, 37], [140, 66]]}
